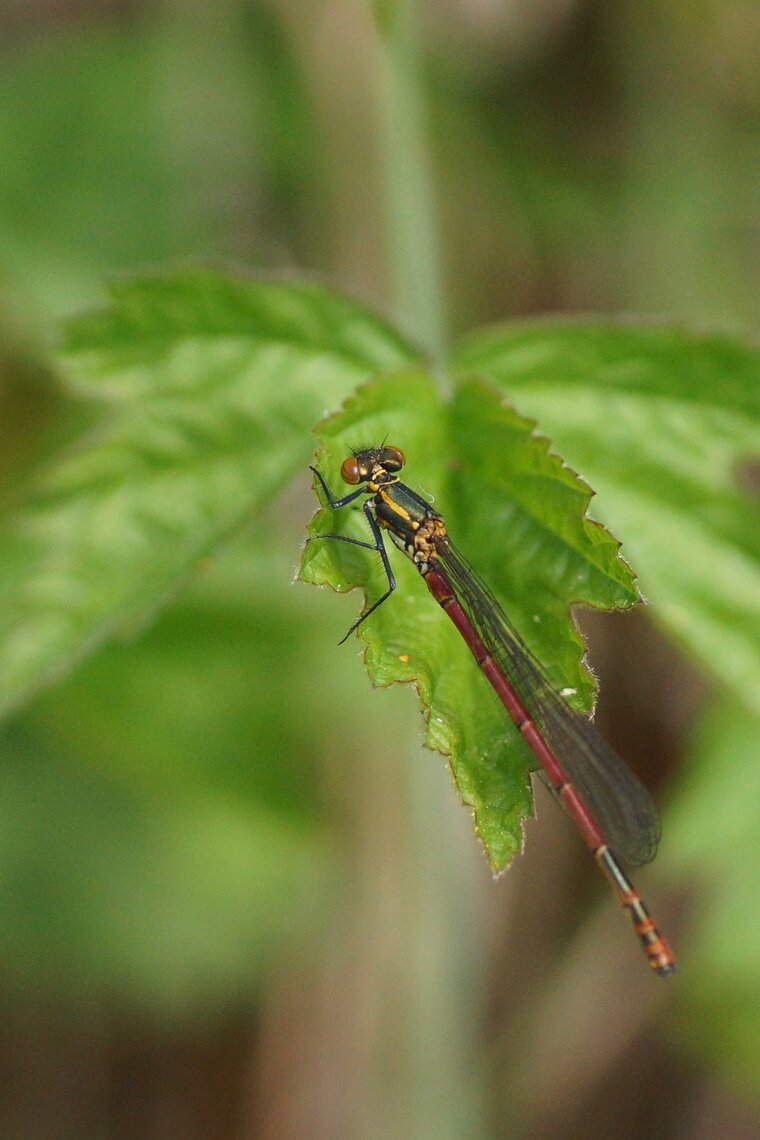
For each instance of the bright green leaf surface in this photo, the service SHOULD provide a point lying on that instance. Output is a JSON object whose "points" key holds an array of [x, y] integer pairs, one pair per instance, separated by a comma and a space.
{"points": [[210, 385], [519, 514], [660, 422]]}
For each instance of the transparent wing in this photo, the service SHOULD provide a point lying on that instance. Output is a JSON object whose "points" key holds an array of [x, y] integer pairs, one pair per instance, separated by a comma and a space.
{"points": [[620, 804]]}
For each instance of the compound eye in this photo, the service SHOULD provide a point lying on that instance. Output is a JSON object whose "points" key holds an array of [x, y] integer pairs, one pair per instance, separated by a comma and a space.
{"points": [[395, 459], [349, 471]]}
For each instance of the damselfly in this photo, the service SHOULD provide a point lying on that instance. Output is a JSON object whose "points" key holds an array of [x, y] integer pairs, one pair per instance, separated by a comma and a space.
{"points": [[613, 811]]}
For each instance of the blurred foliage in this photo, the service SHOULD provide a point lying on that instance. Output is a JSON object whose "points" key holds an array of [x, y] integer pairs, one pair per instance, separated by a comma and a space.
{"points": [[713, 834], [115, 156], [174, 805], [163, 809]]}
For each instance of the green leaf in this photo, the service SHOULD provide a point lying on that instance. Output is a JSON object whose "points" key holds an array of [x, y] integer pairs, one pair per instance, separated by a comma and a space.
{"points": [[210, 384], [519, 515], [661, 422], [712, 837]]}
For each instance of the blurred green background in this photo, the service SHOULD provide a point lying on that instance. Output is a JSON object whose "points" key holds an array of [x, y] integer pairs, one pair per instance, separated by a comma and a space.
{"points": [[235, 899]]}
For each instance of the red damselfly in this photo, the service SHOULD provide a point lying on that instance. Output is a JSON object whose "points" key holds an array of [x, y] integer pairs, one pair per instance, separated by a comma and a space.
{"points": [[614, 812]]}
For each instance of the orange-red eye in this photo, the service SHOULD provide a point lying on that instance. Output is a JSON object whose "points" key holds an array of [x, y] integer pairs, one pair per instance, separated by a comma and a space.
{"points": [[349, 471], [394, 458]]}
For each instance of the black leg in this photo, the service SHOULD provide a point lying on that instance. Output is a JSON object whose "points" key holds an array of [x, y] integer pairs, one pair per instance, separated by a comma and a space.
{"points": [[377, 545], [336, 504], [342, 538]]}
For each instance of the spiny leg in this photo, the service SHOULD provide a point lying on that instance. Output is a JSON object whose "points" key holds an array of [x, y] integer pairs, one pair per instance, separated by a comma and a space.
{"points": [[377, 545], [336, 504]]}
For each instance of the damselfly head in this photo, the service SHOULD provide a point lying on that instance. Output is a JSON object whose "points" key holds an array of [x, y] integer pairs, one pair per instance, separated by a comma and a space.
{"points": [[371, 461]]}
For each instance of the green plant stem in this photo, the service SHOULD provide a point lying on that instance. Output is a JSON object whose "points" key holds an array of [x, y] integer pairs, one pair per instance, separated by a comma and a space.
{"points": [[414, 246], [442, 1098]]}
